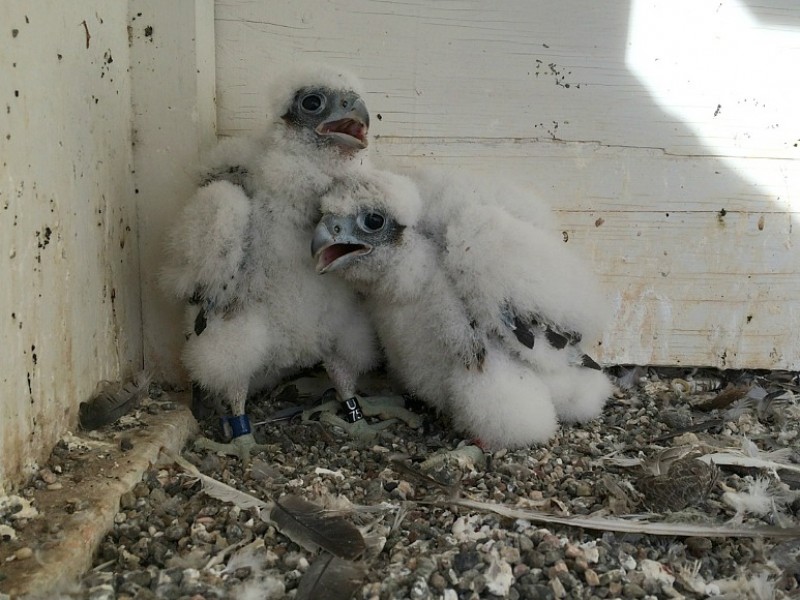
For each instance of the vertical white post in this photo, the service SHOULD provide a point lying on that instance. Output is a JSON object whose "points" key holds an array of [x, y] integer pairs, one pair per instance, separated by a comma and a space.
{"points": [[174, 118]]}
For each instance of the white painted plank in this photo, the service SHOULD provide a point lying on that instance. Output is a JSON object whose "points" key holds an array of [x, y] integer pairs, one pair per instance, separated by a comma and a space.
{"points": [[569, 70], [590, 176], [172, 67], [687, 248], [608, 111], [69, 301]]}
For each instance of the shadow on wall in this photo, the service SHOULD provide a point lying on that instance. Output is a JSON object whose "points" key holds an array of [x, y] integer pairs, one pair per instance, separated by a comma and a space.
{"points": [[664, 136]]}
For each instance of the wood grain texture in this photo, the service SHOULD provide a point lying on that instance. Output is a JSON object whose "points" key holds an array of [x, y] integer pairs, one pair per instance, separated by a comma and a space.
{"points": [[669, 153]]}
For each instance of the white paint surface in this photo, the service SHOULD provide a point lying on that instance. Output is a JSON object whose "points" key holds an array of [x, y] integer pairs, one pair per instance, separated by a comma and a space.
{"points": [[604, 114], [172, 66], [69, 297]]}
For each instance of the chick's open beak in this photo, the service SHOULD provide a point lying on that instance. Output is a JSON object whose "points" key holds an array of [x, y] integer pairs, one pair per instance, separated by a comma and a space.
{"points": [[348, 126], [334, 246]]}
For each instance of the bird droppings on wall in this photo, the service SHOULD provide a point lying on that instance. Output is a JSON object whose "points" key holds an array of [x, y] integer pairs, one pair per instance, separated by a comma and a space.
{"points": [[43, 237], [104, 67], [558, 73], [64, 154], [551, 129]]}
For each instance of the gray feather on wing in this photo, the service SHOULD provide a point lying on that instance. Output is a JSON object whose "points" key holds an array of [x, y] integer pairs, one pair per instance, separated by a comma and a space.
{"points": [[523, 328]]}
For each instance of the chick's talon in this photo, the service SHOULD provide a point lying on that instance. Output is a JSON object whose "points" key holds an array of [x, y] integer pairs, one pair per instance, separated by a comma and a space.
{"points": [[361, 430], [242, 447]]}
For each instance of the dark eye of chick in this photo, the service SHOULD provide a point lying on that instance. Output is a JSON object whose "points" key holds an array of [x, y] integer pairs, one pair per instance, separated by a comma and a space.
{"points": [[373, 221], [313, 103]]}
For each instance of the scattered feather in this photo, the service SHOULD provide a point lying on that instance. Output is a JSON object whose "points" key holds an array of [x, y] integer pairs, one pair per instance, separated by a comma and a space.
{"points": [[313, 527], [404, 467], [756, 500], [112, 400], [630, 378], [249, 556], [305, 523], [655, 571], [743, 587], [660, 463], [266, 587], [686, 483], [724, 399], [765, 461], [332, 578], [761, 498], [219, 490], [629, 526], [374, 545], [691, 428]]}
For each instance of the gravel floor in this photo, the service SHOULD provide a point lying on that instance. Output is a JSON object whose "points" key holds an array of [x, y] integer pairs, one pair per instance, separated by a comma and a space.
{"points": [[171, 540]]}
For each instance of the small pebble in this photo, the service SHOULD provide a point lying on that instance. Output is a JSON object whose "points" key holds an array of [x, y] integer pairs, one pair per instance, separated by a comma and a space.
{"points": [[172, 541], [632, 590], [558, 588], [438, 582], [127, 501], [23, 553], [48, 476], [698, 546]]}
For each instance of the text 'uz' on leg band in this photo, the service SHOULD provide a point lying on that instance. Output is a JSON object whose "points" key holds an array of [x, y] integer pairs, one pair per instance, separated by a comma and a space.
{"points": [[353, 410], [240, 425]]}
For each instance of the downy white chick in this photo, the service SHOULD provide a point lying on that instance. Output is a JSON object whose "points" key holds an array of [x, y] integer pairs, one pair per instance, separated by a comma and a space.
{"points": [[239, 253], [479, 312]]}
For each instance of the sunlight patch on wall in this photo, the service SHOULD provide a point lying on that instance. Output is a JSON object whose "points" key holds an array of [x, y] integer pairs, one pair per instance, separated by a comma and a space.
{"points": [[732, 80]]}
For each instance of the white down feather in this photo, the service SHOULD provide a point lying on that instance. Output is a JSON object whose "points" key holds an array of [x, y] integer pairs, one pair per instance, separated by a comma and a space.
{"points": [[438, 291]]}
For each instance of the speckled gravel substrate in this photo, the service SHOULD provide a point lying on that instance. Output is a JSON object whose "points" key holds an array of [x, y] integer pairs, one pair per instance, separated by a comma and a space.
{"points": [[172, 541]]}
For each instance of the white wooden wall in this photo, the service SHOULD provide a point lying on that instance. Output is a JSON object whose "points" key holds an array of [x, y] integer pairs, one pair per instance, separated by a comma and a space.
{"points": [[665, 134], [175, 117], [69, 263], [669, 148]]}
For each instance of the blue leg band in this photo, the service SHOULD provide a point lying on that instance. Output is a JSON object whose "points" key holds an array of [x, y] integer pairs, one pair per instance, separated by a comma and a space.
{"points": [[240, 425]]}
